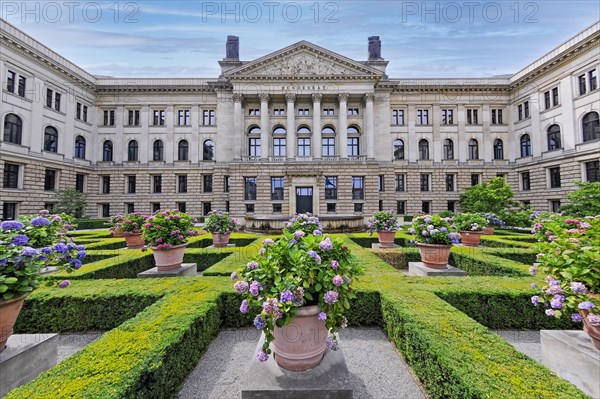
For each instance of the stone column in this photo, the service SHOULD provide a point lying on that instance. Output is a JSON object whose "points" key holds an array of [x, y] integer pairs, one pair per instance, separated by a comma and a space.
{"points": [[343, 126], [370, 125], [264, 125], [238, 126], [290, 138], [316, 152]]}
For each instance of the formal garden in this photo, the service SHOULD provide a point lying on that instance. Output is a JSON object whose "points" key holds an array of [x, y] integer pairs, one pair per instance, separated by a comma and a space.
{"points": [[154, 331]]}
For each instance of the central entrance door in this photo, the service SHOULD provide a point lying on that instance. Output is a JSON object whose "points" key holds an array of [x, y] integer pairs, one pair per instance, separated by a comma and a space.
{"points": [[304, 199]]}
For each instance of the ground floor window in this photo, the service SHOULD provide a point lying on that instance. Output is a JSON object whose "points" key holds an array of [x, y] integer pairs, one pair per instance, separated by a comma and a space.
{"points": [[9, 211]]}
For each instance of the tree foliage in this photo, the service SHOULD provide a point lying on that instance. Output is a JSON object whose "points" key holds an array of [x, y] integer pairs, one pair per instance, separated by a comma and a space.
{"points": [[585, 201], [71, 202], [493, 197]]}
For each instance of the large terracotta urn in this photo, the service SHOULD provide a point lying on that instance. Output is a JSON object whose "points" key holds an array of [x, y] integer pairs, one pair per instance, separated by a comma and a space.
{"points": [[9, 311], [592, 331], [220, 240], [169, 259], [488, 230], [434, 256], [300, 345], [471, 238], [134, 241], [386, 238]]}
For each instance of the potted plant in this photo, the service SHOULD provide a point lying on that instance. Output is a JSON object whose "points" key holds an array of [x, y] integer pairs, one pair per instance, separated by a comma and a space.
{"points": [[166, 232], [45, 229], [306, 222], [385, 224], [115, 225], [492, 222], [131, 227], [301, 282], [220, 225], [434, 236], [569, 255], [470, 226], [21, 265]]}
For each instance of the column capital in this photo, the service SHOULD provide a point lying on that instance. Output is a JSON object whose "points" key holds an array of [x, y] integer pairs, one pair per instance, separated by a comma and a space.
{"points": [[369, 97], [290, 97], [237, 97], [343, 97], [264, 97], [316, 97]]}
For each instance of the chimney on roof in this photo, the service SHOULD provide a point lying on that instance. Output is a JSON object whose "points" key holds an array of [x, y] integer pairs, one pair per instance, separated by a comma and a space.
{"points": [[374, 48], [232, 48]]}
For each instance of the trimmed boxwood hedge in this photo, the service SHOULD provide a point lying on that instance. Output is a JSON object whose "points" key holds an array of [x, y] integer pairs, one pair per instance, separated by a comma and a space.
{"points": [[88, 224]]}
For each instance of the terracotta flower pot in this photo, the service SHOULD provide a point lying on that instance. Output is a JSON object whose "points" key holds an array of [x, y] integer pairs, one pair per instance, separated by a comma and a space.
{"points": [[220, 240], [592, 331], [386, 238], [300, 345], [488, 230], [9, 311], [471, 238], [434, 256], [169, 259], [134, 241]]}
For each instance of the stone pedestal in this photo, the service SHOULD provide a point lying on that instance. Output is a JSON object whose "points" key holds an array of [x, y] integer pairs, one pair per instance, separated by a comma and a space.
{"points": [[186, 270], [377, 245], [25, 357], [419, 269], [329, 380], [571, 355], [228, 246]]}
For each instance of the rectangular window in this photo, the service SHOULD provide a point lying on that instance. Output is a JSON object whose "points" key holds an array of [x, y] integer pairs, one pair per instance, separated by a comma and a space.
{"points": [[330, 187], [183, 117], [226, 183], [472, 117], [249, 208], [555, 99], [358, 188], [593, 78], [449, 182], [303, 112], [130, 207], [422, 117], [49, 206], [254, 112], [250, 189], [451, 206], [328, 112], [182, 184], [9, 211], [447, 117], [277, 208], [474, 179], [353, 150], [526, 109], [304, 146], [155, 207], [157, 184], [555, 205], [206, 208], [50, 180], [496, 117], [207, 183], [22, 85], [57, 98], [401, 207], [424, 182], [133, 118], [397, 117], [85, 113], [49, 97], [254, 147], [181, 207], [11, 175], [80, 182], [380, 207], [105, 184], [582, 85], [131, 184], [278, 112], [226, 206], [358, 207], [520, 111], [352, 111], [525, 181], [277, 188], [78, 111], [381, 183], [426, 207], [592, 171], [400, 183], [10, 81], [105, 210], [554, 177], [279, 147], [328, 146], [331, 207], [109, 118], [547, 102], [158, 117]]}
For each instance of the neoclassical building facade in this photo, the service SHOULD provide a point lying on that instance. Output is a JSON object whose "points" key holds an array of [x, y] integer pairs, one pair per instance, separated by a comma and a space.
{"points": [[300, 129]]}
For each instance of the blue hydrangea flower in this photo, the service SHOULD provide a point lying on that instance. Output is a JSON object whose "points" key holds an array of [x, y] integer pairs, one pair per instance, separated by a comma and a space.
{"points": [[61, 248], [46, 250], [81, 254], [259, 322], [76, 264], [11, 225], [80, 247], [39, 221], [28, 251], [20, 240], [286, 296]]}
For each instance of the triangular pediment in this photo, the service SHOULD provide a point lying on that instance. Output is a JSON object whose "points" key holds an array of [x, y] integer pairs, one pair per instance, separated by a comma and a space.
{"points": [[304, 60]]}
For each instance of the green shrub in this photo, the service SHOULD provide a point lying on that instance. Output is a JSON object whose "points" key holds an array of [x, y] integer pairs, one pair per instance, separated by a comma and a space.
{"points": [[89, 224], [399, 258]]}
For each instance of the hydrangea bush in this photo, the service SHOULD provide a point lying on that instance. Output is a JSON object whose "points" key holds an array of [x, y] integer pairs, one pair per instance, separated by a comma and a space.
{"points": [[166, 229], [428, 229], [45, 228], [469, 222], [299, 269], [132, 223], [306, 222], [493, 220], [115, 224], [220, 223], [569, 256], [384, 221], [21, 264]]}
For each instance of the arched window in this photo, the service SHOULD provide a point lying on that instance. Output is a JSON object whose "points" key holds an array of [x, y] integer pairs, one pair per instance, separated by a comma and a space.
{"points": [[50, 139], [327, 142], [208, 150], [303, 141], [353, 142], [554, 138], [591, 126], [448, 149], [398, 149], [80, 147], [254, 149], [107, 151], [157, 150], [132, 151], [525, 146], [473, 149], [303, 130], [13, 128], [423, 150], [183, 151], [498, 149]]}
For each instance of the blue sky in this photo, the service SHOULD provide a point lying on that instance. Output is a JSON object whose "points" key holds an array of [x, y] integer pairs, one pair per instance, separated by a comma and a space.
{"points": [[187, 38]]}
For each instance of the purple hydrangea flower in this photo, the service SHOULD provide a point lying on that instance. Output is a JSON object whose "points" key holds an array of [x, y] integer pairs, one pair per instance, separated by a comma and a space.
{"points": [[322, 316], [550, 312], [334, 264], [326, 244], [61, 248], [20, 240], [347, 279], [533, 285], [244, 306], [80, 247], [241, 286], [11, 225], [556, 303], [411, 230], [576, 318], [533, 270], [81, 254], [554, 289], [443, 229], [424, 233], [271, 306], [262, 356], [317, 232], [46, 250], [259, 322], [234, 276], [586, 305], [286, 296], [252, 265], [268, 241], [318, 260], [261, 251], [578, 288], [64, 284], [331, 297], [76, 264], [28, 251], [254, 288], [337, 280], [312, 254], [331, 343], [535, 300], [299, 234], [39, 221]]}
